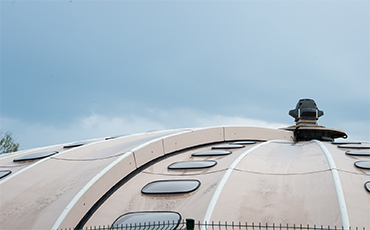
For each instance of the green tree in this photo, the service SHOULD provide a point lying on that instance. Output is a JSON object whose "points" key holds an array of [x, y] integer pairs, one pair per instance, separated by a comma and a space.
{"points": [[7, 143]]}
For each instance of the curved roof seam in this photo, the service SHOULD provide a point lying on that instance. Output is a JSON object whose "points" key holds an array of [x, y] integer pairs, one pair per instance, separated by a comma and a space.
{"points": [[75, 199], [83, 190], [41, 161], [14, 154], [188, 174], [91, 159], [284, 174], [355, 173], [15, 166]]}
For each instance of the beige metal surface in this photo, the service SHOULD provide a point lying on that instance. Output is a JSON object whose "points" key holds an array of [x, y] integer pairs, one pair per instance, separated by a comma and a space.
{"points": [[129, 198], [34, 198], [281, 183], [353, 180], [278, 182]]}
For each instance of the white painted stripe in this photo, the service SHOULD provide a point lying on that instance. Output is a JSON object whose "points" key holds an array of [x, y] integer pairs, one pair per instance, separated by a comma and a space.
{"points": [[30, 166], [63, 152], [337, 185], [41, 161], [223, 181], [86, 188]]}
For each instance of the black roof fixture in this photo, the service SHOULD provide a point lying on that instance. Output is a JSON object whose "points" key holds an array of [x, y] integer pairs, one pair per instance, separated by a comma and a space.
{"points": [[306, 114]]}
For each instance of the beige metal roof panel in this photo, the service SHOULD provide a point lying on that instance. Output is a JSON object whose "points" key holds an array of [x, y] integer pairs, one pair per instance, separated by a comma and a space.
{"points": [[274, 181], [223, 162], [353, 180], [56, 180], [6, 160], [345, 162], [357, 198], [304, 189], [281, 199], [285, 158], [129, 197], [255, 133], [193, 137]]}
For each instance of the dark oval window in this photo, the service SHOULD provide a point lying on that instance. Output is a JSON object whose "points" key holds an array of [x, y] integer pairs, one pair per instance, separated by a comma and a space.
{"points": [[35, 156], [358, 153], [114, 137], [243, 143], [170, 186], [346, 142], [227, 146], [192, 164], [73, 145], [4, 173], [355, 146], [367, 186], [211, 153], [148, 220], [362, 164]]}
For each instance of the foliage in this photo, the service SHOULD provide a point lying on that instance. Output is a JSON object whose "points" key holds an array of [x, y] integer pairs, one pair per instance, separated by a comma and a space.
{"points": [[8, 144]]}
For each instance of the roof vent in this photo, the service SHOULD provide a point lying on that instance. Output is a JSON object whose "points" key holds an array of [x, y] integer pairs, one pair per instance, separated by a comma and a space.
{"points": [[306, 128], [306, 112]]}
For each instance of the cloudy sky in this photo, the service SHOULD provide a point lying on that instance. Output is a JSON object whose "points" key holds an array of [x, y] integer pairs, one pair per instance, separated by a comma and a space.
{"points": [[75, 70]]}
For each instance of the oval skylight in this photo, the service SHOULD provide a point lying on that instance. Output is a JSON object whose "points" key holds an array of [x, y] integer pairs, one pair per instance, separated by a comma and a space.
{"points": [[114, 137], [141, 220], [35, 156], [243, 143], [367, 186], [346, 142], [192, 164], [211, 153], [227, 146], [4, 173], [73, 145], [355, 146], [362, 164], [170, 186], [358, 153]]}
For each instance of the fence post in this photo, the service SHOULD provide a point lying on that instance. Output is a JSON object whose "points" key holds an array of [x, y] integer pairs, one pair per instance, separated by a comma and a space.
{"points": [[189, 224]]}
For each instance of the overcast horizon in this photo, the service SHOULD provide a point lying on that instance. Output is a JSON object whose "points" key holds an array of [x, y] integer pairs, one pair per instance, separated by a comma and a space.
{"points": [[77, 70]]}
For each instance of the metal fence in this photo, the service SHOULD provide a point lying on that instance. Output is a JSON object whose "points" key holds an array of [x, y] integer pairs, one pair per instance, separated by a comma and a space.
{"points": [[190, 224]]}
